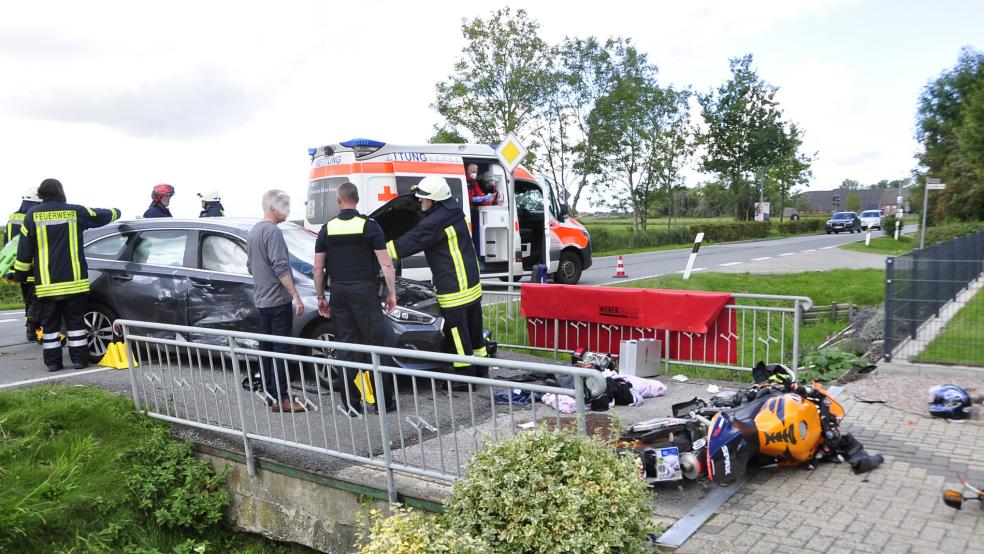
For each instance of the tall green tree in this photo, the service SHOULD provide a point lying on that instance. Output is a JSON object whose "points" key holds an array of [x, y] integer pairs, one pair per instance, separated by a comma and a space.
{"points": [[499, 79], [948, 128], [853, 202], [792, 168], [744, 131], [625, 125], [851, 184], [672, 144]]}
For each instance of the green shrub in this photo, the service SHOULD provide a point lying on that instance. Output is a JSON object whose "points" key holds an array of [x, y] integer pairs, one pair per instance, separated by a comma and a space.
{"points": [[547, 491], [732, 230], [605, 239], [952, 230], [889, 222], [802, 226], [828, 364], [408, 531]]}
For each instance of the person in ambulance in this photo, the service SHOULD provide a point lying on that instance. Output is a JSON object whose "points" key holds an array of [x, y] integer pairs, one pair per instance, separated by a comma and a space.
{"points": [[442, 235]]}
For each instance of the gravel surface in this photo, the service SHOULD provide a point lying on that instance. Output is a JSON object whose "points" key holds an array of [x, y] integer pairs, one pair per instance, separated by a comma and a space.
{"points": [[910, 393]]}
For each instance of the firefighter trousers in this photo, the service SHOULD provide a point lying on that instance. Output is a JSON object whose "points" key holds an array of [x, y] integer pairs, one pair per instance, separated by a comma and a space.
{"points": [[71, 309], [463, 329]]}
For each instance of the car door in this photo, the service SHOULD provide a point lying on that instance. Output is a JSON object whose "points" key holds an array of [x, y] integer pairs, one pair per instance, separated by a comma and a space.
{"points": [[221, 289], [152, 284]]}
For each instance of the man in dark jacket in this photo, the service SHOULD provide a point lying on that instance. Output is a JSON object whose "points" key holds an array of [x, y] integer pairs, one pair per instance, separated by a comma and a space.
{"points": [[160, 200], [211, 205], [14, 222], [442, 235], [50, 248]]}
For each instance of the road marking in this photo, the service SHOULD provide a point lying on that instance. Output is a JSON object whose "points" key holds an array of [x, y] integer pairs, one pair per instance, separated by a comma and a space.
{"points": [[829, 247], [694, 270], [809, 250], [9, 320], [762, 258], [730, 264], [54, 377], [787, 254], [626, 280]]}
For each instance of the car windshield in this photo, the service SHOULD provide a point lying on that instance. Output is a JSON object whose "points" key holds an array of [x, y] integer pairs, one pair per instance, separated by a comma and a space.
{"points": [[843, 215], [870, 214], [300, 244]]}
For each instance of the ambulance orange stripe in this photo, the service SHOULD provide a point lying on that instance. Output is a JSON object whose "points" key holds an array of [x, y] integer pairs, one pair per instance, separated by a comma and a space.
{"points": [[387, 167], [569, 236], [521, 173]]}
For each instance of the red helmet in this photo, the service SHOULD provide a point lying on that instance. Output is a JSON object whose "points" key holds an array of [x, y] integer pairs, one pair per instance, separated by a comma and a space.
{"points": [[161, 191]]}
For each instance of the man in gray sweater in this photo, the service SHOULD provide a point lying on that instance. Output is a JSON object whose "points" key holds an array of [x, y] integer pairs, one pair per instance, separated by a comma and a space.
{"points": [[274, 292]]}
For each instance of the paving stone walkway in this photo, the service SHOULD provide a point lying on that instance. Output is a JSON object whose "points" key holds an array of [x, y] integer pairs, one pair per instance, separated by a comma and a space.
{"points": [[895, 508]]}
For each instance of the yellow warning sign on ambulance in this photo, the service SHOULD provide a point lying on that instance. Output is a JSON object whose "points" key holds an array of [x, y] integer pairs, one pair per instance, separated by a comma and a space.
{"points": [[511, 152]]}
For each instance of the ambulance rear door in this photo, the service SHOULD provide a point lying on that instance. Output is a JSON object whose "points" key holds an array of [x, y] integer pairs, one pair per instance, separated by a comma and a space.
{"points": [[327, 173]]}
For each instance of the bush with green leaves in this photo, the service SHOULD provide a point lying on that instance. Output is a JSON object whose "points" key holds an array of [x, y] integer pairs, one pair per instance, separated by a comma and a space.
{"points": [[952, 230], [408, 531], [732, 230], [802, 226], [828, 364], [604, 239], [552, 492]]}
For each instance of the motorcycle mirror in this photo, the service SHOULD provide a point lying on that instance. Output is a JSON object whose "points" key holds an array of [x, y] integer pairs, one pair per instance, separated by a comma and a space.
{"points": [[953, 499]]}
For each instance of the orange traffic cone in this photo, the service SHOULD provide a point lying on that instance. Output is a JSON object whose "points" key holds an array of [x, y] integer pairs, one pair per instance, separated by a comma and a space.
{"points": [[620, 268]]}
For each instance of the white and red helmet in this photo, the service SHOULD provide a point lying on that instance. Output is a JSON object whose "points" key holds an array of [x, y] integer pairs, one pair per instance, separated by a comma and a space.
{"points": [[160, 191]]}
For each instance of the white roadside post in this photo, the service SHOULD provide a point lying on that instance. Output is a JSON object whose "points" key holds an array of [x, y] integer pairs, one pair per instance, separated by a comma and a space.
{"points": [[693, 256], [931, 184], [867, 237], [899, 215]]}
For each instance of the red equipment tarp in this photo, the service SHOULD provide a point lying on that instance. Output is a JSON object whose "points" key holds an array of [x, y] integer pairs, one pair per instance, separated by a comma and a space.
{"points": [[598, 318]]}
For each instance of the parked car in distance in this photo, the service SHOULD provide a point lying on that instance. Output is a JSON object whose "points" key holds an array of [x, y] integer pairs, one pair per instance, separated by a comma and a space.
{"points": [[193, 272], [871, 219], [844, 221]]}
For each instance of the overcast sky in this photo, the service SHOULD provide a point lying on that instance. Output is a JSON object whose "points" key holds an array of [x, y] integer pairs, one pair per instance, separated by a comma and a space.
{"points": [[114, 97]]}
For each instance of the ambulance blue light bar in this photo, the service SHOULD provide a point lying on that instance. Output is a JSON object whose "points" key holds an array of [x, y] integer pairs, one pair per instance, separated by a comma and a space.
{"points": [[363, 142], [312, 151]]}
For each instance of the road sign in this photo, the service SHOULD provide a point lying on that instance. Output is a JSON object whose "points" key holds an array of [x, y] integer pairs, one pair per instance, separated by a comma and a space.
{"points": [[511, 152], [935, 186]]}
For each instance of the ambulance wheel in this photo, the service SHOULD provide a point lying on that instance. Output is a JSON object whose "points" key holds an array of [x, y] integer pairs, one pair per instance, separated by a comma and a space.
{"points": [[568, 269], [99, 330], [326, 373]]}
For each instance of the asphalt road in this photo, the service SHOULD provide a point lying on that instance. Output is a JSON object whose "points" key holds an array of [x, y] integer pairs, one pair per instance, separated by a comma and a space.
{"points": [[801, 253]]}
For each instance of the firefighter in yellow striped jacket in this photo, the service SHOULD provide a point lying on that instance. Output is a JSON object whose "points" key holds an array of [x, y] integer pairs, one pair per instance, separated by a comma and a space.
{"points": [[442, 235], [14, 222], [50, 249]]}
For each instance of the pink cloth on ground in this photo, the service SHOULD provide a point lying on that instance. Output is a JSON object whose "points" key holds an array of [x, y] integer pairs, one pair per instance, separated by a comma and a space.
{"points": [[562, 403], [648, 388]]}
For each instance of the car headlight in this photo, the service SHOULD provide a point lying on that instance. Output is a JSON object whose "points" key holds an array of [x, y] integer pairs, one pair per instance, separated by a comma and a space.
{"points": [[406, 315]]}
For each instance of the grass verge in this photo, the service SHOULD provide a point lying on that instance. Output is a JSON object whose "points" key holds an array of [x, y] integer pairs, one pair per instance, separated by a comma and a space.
{"points": [[883, 245], [82, 471], [962, 340], [10, 296]]}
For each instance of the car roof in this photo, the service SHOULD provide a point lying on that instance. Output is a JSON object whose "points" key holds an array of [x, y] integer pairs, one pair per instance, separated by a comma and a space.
{"points": [[239, 225], [839, 213]]}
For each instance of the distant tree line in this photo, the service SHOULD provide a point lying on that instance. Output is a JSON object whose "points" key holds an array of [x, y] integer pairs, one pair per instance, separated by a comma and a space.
{"points": [[596, 120]]}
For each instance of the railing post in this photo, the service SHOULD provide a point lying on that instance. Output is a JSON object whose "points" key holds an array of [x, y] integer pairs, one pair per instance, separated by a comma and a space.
{"points": [[797, 319], [582, 421], [379, 383], [942, 289], [889, 289], [237, 379], [129, 363], [914, 295]]}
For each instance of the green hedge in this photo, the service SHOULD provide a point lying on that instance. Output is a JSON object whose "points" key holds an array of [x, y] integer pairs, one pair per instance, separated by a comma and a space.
{"points": [[732, 231], [802, 226], [889, 222], [947, 231], [604, 239]]}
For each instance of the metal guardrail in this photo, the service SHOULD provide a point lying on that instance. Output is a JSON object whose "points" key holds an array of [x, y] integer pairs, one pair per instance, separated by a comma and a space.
{"points": [[924, 291], [767, 329], [431, 433]]}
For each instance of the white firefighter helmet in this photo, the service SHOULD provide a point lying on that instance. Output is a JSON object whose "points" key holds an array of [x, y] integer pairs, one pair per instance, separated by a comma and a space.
{"points": [[433, 188], [210, 196], [31, 195]]}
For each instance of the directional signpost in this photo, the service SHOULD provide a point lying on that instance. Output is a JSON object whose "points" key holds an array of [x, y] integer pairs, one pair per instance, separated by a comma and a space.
{"points": [[511, 153], [931, 184]]}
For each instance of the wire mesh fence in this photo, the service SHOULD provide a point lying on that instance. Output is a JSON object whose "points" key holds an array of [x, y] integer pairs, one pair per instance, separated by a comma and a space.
{"points": [[934, 312]]}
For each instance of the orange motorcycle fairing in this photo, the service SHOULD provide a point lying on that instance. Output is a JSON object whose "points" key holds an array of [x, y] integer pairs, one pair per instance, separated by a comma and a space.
{"points": [[835, 408], [788, 429]]}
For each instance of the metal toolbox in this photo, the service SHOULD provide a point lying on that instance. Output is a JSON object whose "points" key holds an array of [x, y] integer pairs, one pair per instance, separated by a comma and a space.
{"points": [[639, 357]]}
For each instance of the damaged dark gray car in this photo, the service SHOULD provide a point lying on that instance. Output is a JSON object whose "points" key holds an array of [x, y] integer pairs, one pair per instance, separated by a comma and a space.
{"points": [[193, 273]]}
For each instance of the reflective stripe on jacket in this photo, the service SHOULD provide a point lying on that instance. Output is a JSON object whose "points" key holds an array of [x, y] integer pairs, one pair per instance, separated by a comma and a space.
{"points": [[51, 246], [442, 235]]}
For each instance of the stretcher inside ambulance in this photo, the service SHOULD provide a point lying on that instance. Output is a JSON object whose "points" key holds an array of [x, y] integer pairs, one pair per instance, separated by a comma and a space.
{"points": [[519, 212]]}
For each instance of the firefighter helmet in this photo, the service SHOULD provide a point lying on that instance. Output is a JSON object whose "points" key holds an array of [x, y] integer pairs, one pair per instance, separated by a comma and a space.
{"points": [[31, 195], [433, 188], [160, 191], [210, 196]]}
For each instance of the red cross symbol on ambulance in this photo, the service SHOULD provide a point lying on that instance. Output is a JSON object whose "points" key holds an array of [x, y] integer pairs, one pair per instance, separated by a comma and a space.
{"points": [[386, 195]]}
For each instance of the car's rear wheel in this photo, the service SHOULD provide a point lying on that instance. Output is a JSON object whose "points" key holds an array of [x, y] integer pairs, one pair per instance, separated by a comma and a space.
{"points": [[99, 330], [324, 331]]}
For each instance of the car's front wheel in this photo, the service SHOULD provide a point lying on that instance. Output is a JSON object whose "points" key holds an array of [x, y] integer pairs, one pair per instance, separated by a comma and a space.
{"points": [[569, 269], [99, 330], [324, 331]]}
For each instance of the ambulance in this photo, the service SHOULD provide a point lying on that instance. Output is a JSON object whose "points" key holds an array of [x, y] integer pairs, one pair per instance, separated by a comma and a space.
{"points": [[524, 225]]}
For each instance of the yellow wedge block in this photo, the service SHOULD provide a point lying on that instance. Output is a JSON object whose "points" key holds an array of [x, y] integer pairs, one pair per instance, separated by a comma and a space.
{"points": [[363, 382], [116, 357]]}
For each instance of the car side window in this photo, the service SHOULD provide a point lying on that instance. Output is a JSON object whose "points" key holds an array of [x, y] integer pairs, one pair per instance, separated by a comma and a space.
{"points": [[223, 254], [161, 248], [106, 248]]}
